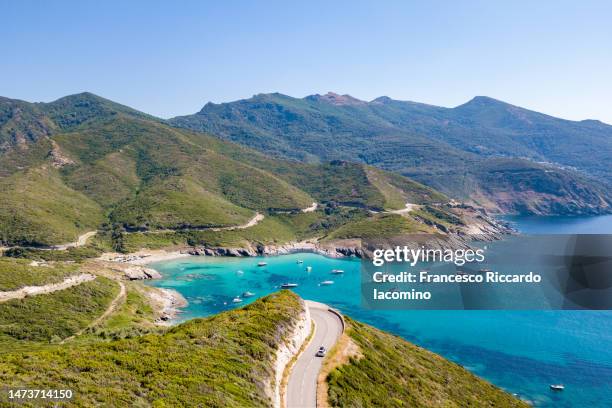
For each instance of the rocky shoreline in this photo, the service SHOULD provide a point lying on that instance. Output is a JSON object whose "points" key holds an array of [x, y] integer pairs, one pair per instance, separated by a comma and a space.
{"points": [[336, 249], [134, 266], [170, 302]]}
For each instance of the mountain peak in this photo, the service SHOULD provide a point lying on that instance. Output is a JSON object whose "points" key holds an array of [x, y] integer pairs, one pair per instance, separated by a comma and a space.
{"points": [[382, 100], [336, 99], [484, 101]]}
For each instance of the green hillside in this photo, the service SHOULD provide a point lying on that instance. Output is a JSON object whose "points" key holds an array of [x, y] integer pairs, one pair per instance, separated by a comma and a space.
{"points": [[391, 372], [228, 360], [225, 360], [55, 316], [455, 151], [99, 164], [38, 208]]}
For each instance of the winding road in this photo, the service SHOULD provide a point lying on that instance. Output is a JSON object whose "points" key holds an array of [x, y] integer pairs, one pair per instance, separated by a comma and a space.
{"points": [[302, 385], [81, 241]]}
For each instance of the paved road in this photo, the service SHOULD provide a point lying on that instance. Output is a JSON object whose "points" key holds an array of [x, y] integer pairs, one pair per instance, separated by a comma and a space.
{"points": [[302, 385]]}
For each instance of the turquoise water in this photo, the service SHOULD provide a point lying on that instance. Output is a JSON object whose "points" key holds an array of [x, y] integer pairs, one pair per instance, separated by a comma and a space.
{"points": [[521, 351]]}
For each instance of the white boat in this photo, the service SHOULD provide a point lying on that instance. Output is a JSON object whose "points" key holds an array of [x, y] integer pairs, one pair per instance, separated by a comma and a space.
{"points": [[557, 387], [262, 263], [237, 300], [299, 261], [289, 285], [248, 294], [337, 271], [309, 268], [327, 282]]}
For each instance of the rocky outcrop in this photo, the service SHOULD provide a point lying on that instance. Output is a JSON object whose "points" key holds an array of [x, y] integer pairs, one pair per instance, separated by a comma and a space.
{"points": [[222, 251], [332, 249], [141, 273], [169, 303]]}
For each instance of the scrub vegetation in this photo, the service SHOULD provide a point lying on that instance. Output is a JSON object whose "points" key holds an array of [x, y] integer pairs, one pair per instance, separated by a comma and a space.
{"points": [[221, 361], [97, 165], [391, 372], [55, 316], [17, 273]]}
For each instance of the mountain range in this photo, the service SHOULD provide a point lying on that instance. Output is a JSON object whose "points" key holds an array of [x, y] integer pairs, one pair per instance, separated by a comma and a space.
{"points": [[82, 161], [503, 157]]}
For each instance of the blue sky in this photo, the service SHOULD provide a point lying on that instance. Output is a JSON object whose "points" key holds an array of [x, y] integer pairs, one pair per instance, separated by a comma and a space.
{"points": [[169, 58]]}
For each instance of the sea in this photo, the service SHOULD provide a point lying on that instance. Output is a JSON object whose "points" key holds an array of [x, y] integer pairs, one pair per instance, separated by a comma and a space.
{"points": [[522, 352]]}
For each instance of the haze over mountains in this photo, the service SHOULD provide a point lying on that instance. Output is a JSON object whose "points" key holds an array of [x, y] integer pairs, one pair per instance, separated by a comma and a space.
{"points": [[501, 156]]}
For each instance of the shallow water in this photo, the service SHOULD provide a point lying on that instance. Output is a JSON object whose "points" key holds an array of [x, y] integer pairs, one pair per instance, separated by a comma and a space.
{"points": [[521, 351]]}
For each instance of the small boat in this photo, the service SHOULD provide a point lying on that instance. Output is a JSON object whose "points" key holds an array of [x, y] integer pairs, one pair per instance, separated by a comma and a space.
{"points": [[485, 270], [557, 387], [248, 294], [337, 271], [327, 282], [262, 263], [237, 300], [309, 268], [289, 285], [461, 273], [300, 261]]}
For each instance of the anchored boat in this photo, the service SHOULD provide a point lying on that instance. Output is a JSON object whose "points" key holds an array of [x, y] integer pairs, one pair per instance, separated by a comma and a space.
{"points": [[289, 285]]}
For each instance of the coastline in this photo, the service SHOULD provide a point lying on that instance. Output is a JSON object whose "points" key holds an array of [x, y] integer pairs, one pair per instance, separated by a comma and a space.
{"points": [[144, 256], [169, 304]]}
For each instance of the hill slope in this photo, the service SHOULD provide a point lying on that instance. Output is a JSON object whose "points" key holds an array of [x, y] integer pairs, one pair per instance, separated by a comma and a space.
{"points": [[453, 150], [388, 371], [88, 162], [225, 360]]}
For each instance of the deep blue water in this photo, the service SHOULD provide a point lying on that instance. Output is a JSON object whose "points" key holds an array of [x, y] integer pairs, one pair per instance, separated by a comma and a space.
{"points": [[562, 225], [521, 351]]}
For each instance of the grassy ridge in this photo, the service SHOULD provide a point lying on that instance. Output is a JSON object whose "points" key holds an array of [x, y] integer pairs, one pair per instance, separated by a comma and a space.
{"points": [[94, 162], [225, 360], [381, 225], [17, 273], [55, 316], [177, 202], [37, 208], [395, 373]]}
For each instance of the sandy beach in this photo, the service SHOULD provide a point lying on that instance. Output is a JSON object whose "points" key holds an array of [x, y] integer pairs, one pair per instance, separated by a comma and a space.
{"points": [[144, 256]]}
